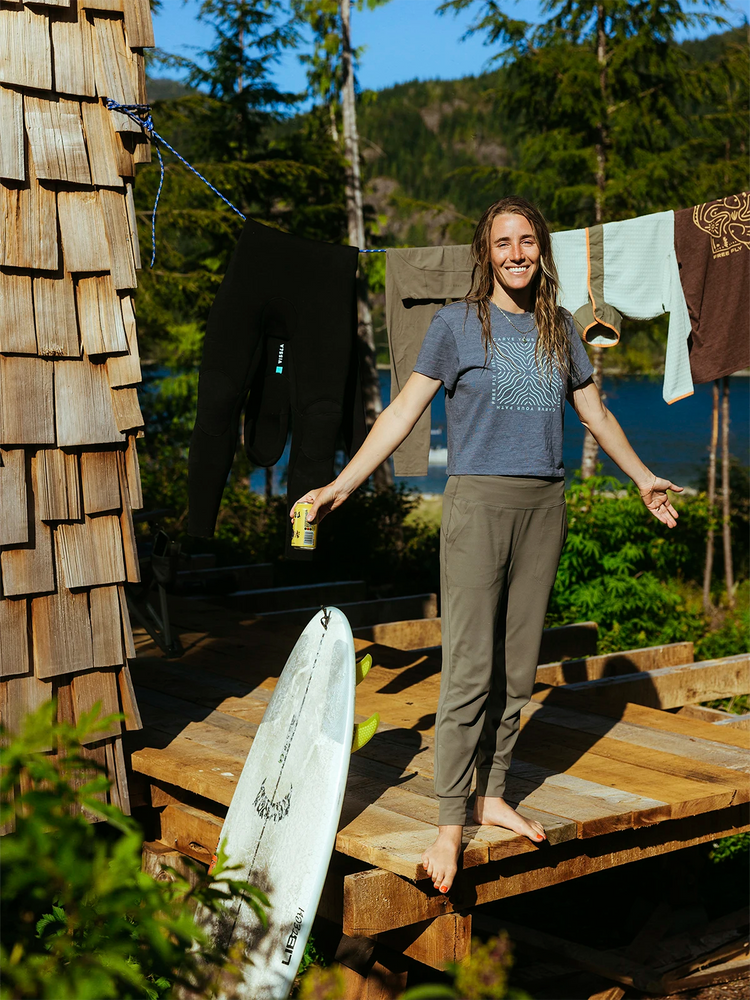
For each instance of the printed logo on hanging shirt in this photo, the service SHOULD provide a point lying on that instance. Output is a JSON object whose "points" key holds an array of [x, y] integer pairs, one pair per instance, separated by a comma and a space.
{"points": [[268, 809], [519, 383], [727, 222], [280, 361]]}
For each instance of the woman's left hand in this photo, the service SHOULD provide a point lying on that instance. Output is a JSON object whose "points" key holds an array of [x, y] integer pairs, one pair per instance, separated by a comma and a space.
{"points": [[655, 498]]}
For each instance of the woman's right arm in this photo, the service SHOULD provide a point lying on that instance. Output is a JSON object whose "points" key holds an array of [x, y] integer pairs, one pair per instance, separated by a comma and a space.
{"points": [[388, 431]]}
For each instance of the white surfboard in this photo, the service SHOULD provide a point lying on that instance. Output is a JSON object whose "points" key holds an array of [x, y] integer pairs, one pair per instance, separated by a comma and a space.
{"points": [[281, 824]]}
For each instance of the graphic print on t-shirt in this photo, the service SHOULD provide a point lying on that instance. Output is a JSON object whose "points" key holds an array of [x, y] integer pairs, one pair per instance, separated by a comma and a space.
{"points": [[519, 383]]}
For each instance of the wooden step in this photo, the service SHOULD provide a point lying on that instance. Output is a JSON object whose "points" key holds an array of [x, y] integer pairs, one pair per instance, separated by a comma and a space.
{"points": [[304, 596], [560, 643], [360, 613], [223, 579]]}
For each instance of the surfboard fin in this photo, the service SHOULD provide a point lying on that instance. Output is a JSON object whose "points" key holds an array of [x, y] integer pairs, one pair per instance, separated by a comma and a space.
{"points": [[364, 731], [363, 667]]}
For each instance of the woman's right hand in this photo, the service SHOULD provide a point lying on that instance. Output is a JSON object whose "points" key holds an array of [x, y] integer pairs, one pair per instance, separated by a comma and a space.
{"points": [[323, 501]]}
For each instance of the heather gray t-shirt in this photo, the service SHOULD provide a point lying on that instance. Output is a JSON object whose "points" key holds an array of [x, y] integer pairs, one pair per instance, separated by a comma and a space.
{"points": [[505, 415]]}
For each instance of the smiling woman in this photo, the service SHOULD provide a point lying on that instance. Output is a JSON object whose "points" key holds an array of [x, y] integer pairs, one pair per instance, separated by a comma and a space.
{"points": [[508, 358]]}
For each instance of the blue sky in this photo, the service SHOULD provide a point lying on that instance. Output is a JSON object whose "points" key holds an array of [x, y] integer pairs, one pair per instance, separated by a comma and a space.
{"points": [[404, 40]]}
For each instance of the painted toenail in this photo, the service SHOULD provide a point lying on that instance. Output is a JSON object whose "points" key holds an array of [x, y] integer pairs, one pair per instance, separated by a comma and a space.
{"points": [[443, 888]]}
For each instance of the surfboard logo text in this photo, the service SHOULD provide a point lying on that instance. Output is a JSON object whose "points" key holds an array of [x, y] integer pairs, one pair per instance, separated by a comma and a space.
{"points": [[267, 808], [292, 939]]}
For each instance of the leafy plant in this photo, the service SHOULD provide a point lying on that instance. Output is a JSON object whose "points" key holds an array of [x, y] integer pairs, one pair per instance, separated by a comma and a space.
{"points": [[79, 919]]}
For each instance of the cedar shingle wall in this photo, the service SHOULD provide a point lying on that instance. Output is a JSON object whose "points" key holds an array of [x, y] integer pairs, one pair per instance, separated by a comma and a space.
{"points": [[69, 363]]}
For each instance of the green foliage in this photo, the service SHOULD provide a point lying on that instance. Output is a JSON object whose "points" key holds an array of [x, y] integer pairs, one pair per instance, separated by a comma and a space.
{"points": [[79, 920], [483, 977], [731, 848]]}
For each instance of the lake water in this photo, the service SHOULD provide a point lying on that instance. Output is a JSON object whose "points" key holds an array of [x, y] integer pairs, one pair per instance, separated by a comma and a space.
{"points": [[672, 440]]}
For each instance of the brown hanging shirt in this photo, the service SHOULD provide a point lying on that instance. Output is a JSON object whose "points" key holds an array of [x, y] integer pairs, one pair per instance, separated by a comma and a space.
{"points": [[712, 243]]}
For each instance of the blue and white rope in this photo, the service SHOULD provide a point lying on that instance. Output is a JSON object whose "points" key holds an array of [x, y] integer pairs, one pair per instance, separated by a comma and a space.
{"points": [[141, 115]]}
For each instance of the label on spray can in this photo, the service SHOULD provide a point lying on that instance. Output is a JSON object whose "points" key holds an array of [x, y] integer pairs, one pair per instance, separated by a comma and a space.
{"points": [[304, 535]]}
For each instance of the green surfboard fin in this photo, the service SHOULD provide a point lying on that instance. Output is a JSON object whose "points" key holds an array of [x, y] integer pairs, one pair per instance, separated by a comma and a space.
{"points": [[364, 731], [363, 667]]}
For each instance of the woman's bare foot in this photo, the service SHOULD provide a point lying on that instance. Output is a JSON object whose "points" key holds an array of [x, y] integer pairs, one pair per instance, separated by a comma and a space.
{"points": [[440, 861], [493, 811]]}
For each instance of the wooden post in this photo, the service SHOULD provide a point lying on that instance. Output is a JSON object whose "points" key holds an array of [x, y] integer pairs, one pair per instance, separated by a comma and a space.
{"points": [[725, 493], [708, 569]]}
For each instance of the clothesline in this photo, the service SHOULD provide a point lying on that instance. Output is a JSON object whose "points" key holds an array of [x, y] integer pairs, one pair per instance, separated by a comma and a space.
{"points": [[141, 115]]}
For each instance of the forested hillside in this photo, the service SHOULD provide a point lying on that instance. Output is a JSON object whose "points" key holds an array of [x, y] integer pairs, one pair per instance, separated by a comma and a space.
{"points": [[424, 144]]}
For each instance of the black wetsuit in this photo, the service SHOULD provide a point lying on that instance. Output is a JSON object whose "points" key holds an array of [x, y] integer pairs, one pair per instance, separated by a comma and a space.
{"points": [[281, 337]]}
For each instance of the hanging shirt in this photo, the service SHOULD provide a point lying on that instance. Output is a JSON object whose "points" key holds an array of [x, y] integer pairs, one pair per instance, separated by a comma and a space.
{"points": [[504, 410], [627, 268], [712, 243]]}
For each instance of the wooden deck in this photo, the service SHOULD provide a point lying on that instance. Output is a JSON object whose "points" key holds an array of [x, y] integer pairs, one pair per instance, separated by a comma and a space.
{"points": [[611, 776]]}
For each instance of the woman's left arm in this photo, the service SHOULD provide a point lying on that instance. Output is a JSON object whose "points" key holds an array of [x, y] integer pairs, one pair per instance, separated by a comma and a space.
{"points": [[596, 418]]}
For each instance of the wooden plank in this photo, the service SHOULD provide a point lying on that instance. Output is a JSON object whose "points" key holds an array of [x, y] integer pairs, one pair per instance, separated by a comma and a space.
{"points": [[129, 545], [133, 473], [29, 569], [116, 70], [738, 722], [128, 700], [433, 942], [17, 330], [125, 369], [61, 634], [28, 221], [685, 796], [103, 145], [73, 49], [101, 481], [127, 409], [12, 155], [139, 30], [557, 643], [356, 611], [55, 132], [667, 687], [90, 554], [730, 971], [376, 901], [191, 766], [56, 485], [14, 638], [113, 5], [121, 777], [106, 628], [117, 228], [26, 402], [79, 425], [92, 687], [100, 317], [694, 746], [569, 747], [271, 599], [706, 714], [191, 831], [629, 661], [55, 314], [19, 697], [666, 722], [25, 49], [52, 3], [14, 518], [133, 222], [85, 246], [127, 631], [142, 152]]}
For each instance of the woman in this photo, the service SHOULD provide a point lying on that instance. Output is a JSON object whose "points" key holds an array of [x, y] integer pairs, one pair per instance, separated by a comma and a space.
{"points": [[508, 357]]}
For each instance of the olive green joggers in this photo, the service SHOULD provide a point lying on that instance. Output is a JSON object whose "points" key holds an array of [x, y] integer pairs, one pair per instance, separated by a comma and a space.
{"points": [[500, 546]]}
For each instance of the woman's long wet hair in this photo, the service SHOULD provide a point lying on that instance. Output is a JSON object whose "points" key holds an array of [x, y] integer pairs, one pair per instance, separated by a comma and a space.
{"points": [[551, 320]]}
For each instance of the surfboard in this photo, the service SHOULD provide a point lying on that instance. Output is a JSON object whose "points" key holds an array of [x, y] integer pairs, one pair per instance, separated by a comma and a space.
{"points": [[280, 828]]}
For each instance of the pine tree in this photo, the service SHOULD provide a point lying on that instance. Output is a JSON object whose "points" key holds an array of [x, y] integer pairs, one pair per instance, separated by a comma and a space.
{"points": [[331, 75]]}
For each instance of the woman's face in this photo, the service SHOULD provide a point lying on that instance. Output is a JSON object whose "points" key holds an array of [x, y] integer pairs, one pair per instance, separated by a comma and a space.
{"points": [[514, 252]]}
